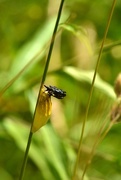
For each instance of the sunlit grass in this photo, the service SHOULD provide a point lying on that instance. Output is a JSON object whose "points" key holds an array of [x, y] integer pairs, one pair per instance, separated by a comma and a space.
{"points": [[54, 148]]}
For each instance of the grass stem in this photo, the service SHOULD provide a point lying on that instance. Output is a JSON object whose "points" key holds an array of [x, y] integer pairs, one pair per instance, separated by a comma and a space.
{"points": [[91, 90], [25, 156], [42, 82]]}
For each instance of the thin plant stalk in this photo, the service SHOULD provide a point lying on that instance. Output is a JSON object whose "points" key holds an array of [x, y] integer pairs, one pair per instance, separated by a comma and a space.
{"points": [[109, 127], [19, 74], [104, 131], [25, 156], [98, 139], [42, 82], [91, 90]]}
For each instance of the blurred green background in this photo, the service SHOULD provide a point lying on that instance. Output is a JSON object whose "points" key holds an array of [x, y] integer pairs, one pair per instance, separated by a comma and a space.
{"points": [[25, 32]]}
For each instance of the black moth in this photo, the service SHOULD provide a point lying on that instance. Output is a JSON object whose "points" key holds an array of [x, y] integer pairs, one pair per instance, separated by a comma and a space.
{"points": [[55, 92]]}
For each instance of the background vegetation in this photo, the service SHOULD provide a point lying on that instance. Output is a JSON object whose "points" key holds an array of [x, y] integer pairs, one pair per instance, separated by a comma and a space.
{"points": [[26, 28]]}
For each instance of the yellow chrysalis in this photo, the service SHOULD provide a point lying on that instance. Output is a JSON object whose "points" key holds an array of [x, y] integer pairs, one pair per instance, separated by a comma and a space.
{"points": [[43, 111]]}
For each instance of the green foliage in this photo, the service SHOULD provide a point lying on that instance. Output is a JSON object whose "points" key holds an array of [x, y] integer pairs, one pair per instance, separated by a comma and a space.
{"points": [[26, 28]]}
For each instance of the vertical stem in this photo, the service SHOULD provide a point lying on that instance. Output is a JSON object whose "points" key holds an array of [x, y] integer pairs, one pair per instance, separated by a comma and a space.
{"points": [[42, 82], [49, 55], [25, 156], [52, 41], [92, 86], [97, 141]]}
